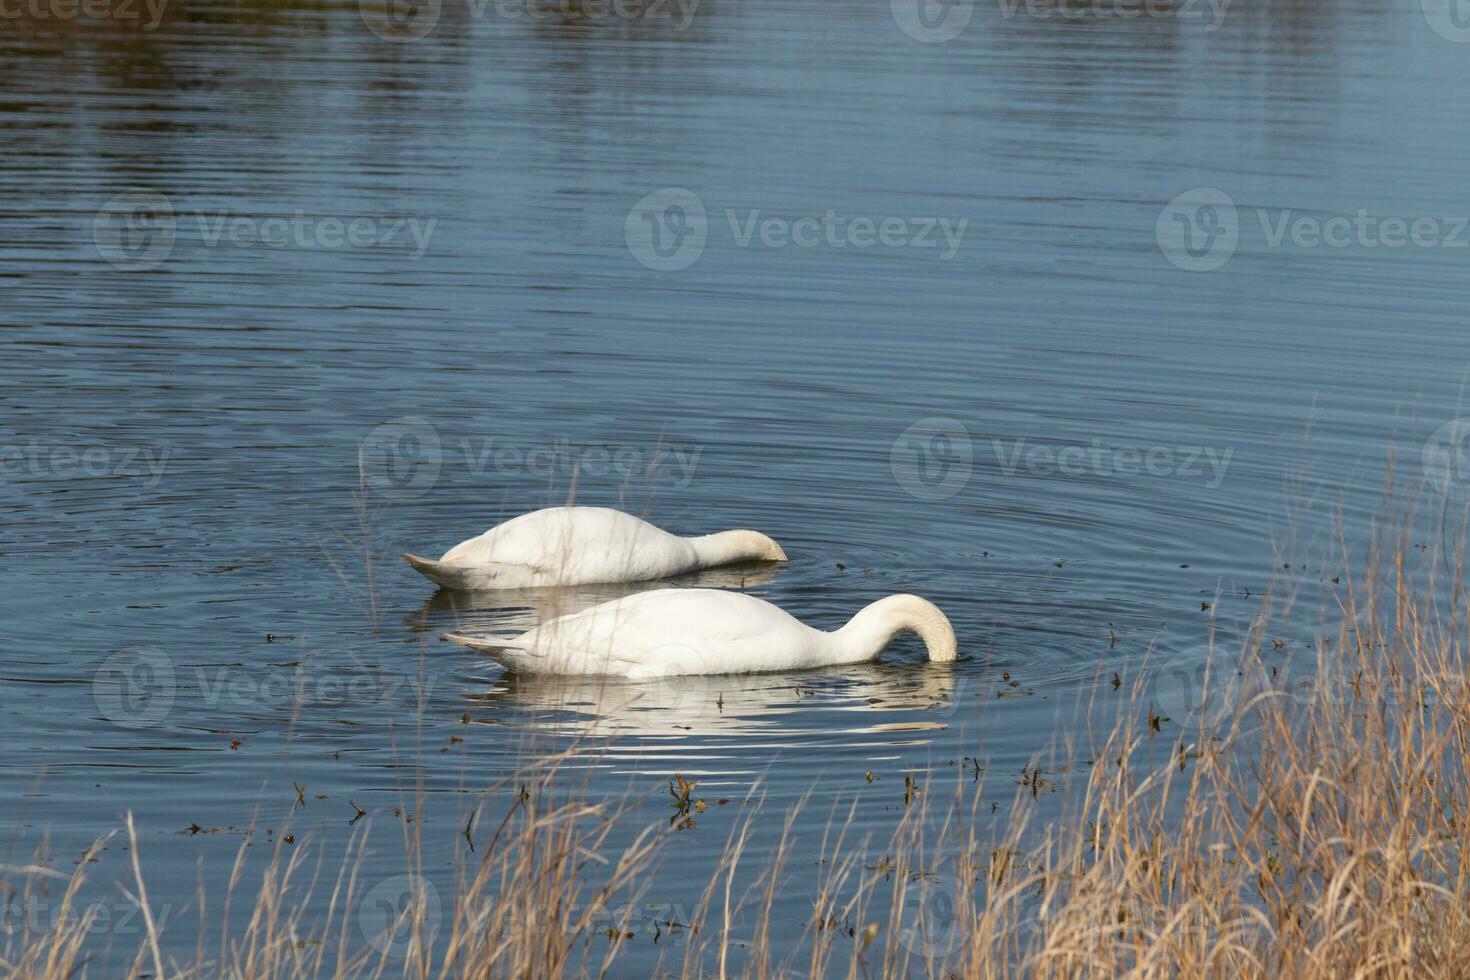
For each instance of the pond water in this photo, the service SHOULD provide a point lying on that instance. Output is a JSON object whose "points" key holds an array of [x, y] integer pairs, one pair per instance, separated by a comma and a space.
{"points": [[1091, 323]]}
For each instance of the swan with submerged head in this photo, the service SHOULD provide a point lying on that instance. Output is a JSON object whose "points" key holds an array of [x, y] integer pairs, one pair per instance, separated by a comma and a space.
{"points": [[671, 632], [585, 546]]}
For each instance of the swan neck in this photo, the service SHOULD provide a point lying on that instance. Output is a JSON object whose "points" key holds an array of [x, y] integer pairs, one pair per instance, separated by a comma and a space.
{"points": [[734, 546], [874, 627]]}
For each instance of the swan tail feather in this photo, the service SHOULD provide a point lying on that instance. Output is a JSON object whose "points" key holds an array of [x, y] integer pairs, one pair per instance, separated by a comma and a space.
{"points": [[470, 577], [513, 653], [488, 644], [424, 566], [504, 650]]}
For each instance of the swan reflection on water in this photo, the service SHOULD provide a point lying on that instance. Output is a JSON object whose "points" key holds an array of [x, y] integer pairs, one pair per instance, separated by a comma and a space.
{"points": [[715, 716]]}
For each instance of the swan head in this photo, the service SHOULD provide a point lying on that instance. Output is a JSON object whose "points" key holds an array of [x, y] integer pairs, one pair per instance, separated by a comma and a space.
{"points": [[767, 546], [901, 613], [741, 545]]}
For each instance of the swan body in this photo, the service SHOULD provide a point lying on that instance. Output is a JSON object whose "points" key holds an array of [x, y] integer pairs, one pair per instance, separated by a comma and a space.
{"points": [[582, 546], [673, 632]]}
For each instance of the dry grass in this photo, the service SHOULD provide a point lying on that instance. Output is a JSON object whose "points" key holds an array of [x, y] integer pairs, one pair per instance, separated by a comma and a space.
{"points": [[1318, 830]]}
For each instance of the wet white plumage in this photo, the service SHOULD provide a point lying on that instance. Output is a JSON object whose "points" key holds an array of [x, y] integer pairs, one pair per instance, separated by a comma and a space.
{"points": [[671, 632], [584, 545]]}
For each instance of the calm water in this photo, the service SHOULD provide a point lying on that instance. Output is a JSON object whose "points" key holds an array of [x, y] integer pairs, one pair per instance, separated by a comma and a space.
{"points": [[362, 295]]}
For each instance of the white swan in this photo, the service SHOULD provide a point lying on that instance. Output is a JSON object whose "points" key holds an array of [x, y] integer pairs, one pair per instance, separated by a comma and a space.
{"points": [[670, 632], [582, 546]]}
